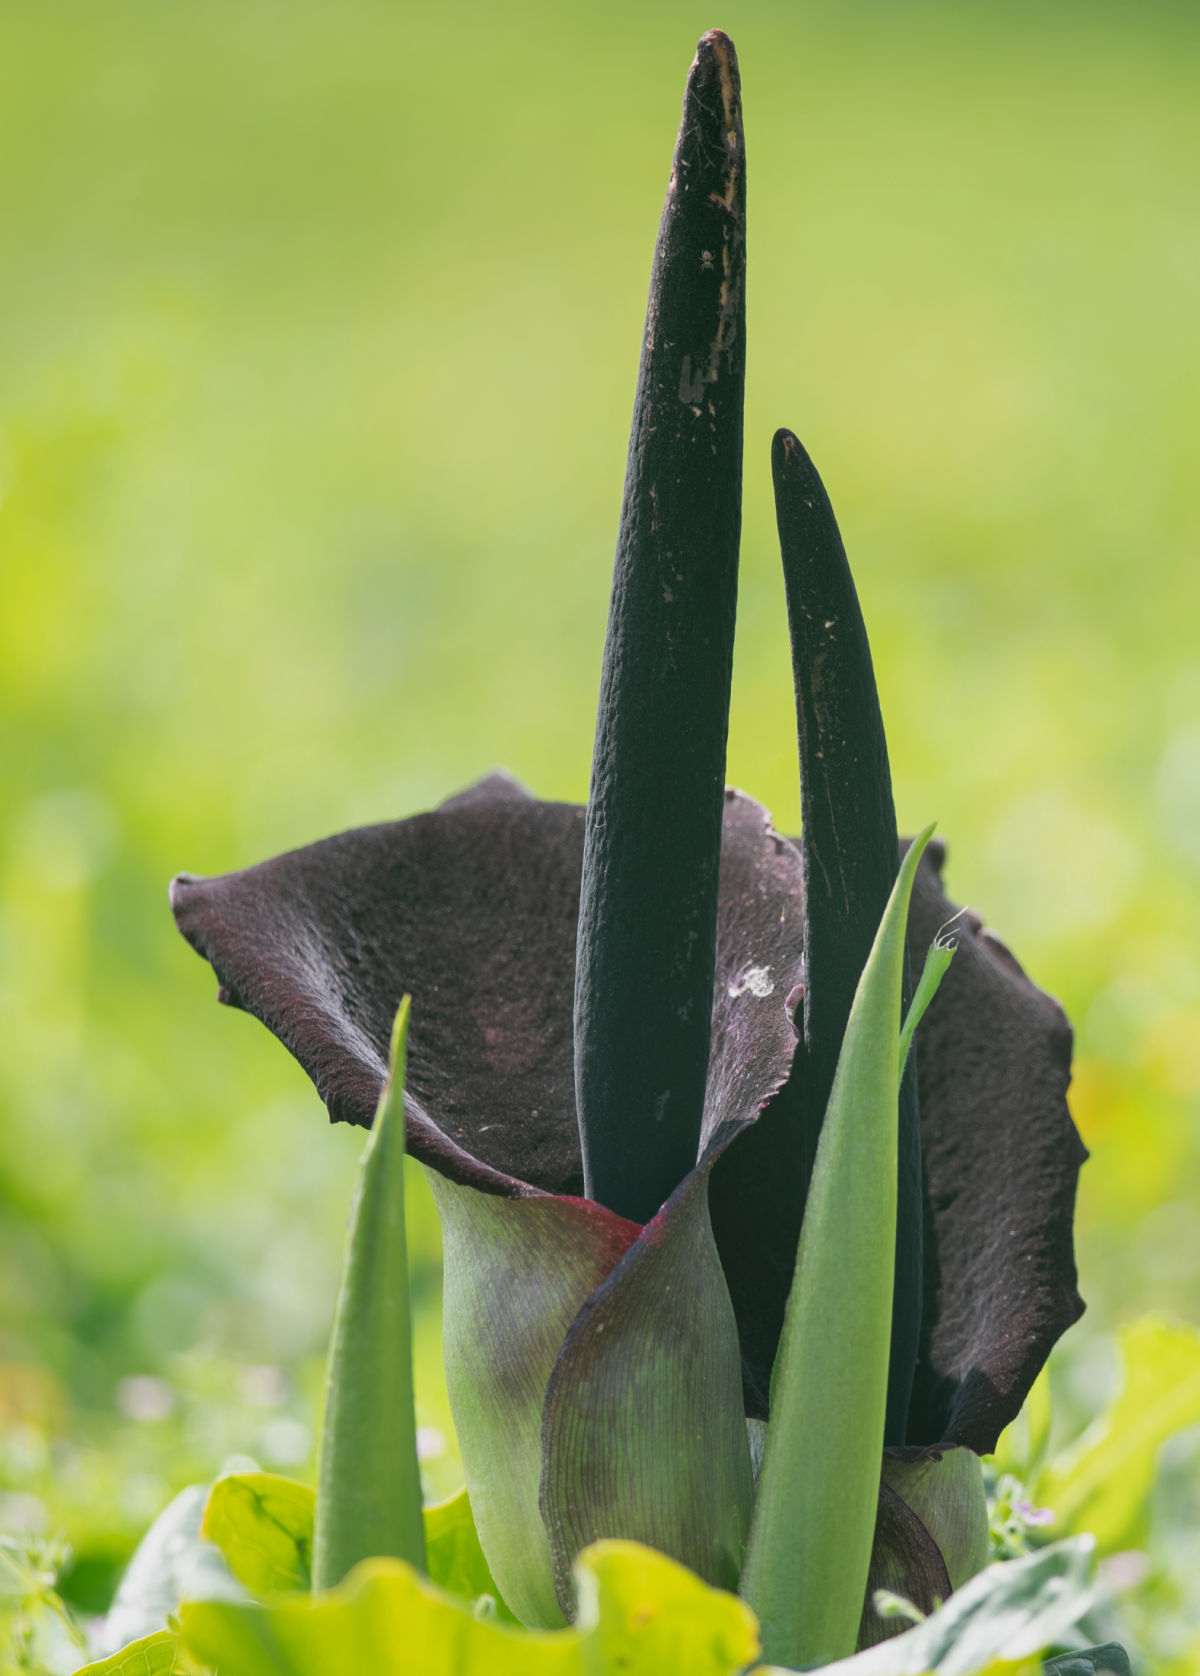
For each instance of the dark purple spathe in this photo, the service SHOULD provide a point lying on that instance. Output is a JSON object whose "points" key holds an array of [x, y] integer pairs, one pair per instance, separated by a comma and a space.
{"points": [[471, 909]]}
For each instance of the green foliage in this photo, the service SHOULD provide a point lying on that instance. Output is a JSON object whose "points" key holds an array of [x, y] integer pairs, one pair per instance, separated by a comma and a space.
{"points": [[454, 1558], [263, 1525], [370, 1495], [1109, 1660], [814, 1517], [172, 1562], [37, 1635], [639, 1613], [153, 1655], [1103, 1483], [1011, 1611]]}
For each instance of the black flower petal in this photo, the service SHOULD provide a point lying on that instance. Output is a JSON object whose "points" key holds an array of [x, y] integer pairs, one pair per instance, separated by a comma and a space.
{"points": [[1002, 1159], [471, 909]]}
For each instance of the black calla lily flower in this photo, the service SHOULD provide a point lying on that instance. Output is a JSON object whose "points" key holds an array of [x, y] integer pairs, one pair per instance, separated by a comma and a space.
{"points": [[471, 909], [623, 1014]]}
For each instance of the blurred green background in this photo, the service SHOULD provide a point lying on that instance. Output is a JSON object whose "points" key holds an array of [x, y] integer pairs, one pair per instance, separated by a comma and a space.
{"points": [[320, 326]]}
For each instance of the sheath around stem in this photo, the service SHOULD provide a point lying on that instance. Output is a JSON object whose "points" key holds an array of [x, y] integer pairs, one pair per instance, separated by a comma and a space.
{"points": [[849, 850], [647, 920]]}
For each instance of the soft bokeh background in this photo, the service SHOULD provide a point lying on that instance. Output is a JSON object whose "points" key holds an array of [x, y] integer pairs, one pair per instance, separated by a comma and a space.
{"points": [[319, 334]]}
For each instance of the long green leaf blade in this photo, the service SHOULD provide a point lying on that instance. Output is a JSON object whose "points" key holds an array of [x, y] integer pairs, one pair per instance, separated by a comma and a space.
{"points": [[369, 1497], [810, 1542]]}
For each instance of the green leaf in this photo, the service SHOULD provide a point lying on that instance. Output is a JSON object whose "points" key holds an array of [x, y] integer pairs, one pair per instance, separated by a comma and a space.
{"points": [[937, 963], [1012, 1611], [1109, 1660], [1103, 1483], [153, 1655], [171, 1561], [369, 1502], [263, 1525], [810, 1544], [517, 1272], [455, 1560], [639, 1613]]}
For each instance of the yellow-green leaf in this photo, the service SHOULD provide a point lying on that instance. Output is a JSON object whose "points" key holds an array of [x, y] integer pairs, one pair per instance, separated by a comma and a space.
{"points": [[153, 1655], [453, 1555], [639, 1613], [263, 1525], [1103, 1483]]}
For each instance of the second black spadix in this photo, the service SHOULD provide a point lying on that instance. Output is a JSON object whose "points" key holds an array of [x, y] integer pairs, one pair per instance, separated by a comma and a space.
{"points": [[850, 855], [647, 918]]}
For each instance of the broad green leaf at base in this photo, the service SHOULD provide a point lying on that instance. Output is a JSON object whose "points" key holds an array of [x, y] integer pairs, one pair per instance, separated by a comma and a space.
{"points": [[263, 1525], [1015, 1610], [153, 1655], [639, 1613]]}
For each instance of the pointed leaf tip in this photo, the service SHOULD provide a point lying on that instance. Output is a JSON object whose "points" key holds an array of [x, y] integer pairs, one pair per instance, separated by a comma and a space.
{"points": [[369, 1501]]}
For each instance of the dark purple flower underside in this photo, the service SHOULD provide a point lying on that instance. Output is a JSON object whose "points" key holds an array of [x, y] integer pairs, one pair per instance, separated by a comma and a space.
{"points": [[472, 910]]}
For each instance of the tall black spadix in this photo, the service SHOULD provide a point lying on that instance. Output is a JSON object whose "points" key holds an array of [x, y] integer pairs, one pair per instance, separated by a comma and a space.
{"points": [[647, 918], [850, 851]]}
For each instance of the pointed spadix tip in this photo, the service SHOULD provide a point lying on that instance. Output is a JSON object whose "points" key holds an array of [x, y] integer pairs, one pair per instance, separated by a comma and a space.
{"points": [[787, 451], [718, 42], [716, 65]]}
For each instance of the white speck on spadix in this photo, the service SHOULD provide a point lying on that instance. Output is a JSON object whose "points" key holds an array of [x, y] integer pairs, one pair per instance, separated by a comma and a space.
{"points": [[756, 979]]}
